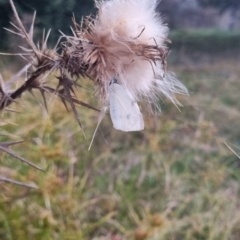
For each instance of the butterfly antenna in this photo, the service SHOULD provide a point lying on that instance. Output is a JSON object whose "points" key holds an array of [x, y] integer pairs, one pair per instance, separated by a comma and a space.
{"points": [[100, 118]]}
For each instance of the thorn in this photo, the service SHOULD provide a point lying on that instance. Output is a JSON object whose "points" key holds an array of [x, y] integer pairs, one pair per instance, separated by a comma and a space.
{"points": [[29, 41], [5, 149], [70, 100], [4, 179], [32, 26]]}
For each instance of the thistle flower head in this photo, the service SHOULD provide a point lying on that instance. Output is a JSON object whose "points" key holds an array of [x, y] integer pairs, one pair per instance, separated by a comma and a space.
{"points": [[126, 41]]}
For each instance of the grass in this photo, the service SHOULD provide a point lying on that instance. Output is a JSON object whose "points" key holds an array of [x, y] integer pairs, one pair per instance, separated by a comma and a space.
{"points": [[174, 180], [205, 40]]}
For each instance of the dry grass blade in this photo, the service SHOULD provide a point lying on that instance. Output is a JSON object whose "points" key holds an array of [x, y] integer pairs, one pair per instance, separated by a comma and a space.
{"points": [[11, 143], [8, 180], [100, 118], [232, 150], [11, 110]]}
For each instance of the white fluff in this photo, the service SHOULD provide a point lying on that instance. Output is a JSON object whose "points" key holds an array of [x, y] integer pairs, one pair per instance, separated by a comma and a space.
{"points": [[120, 30]]}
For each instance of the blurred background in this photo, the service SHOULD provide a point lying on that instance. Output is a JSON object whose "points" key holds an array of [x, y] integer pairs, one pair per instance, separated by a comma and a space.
{"points": [[174, 180], [208, 15]]}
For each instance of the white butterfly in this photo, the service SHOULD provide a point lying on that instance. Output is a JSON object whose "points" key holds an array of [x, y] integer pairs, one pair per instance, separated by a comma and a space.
{"points": [[124, 111]]}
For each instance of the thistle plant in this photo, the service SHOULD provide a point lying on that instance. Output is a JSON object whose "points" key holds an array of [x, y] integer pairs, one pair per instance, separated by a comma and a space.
{"points": [[127, 41]]}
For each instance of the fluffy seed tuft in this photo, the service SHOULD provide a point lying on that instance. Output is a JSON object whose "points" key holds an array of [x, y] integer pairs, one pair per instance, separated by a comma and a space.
{"points": [[126, 41]]}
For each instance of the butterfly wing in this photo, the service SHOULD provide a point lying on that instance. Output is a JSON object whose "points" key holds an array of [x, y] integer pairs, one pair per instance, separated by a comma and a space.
{"points": [[124, 111]]}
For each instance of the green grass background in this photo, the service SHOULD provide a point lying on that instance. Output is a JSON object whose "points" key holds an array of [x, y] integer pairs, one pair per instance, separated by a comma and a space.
{"points": [[175, 180]]}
